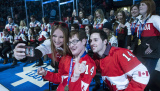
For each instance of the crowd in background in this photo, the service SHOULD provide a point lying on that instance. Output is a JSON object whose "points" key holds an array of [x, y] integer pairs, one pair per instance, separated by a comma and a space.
{"points": [[123, 28]]}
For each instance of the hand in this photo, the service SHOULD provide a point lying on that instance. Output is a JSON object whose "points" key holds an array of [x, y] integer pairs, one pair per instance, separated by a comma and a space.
{"points": [[41, 71], [79, 68], [19, 52], [128, 47], [121, 25]]}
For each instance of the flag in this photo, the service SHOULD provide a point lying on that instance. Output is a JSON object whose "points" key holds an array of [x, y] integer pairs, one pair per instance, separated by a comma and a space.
{"points": [[143, 73]]}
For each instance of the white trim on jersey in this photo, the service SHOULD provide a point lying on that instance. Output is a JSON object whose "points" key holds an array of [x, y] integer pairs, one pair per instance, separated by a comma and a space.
{"points": [[45, 47], [127, 24], [63, 77], [44, 33], [121, 82], [84, 86], [143, 79], [8, 38]]}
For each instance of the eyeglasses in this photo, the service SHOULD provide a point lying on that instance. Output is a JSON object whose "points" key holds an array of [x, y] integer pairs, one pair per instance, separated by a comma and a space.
{"points": [[60, 23], [74, 42]]}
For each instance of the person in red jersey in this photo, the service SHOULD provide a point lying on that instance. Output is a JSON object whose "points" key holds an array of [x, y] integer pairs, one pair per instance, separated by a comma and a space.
{"points": [[119, 68], [75, 72]]}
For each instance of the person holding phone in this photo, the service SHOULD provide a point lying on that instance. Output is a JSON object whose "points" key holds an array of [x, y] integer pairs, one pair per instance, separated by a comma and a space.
{"points": [[56, 46]]}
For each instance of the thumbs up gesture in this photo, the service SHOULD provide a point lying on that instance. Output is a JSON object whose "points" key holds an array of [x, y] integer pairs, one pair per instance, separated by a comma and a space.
{"points": [[79, 67], [41, 71]]}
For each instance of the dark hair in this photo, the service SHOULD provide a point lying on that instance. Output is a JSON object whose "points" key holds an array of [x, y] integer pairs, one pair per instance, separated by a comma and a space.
{"points": [[32, 29], [9, 17], [80, 34], [83, 13], [37, 28], [115, 25], [46, 20], [124, 16], [135, 5], [76, 26], [90, 28], [76, 18], [32, 16], [102, 34]]}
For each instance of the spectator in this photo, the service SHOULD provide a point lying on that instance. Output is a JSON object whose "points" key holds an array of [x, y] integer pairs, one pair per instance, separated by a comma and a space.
{"points": [[112, 40], [90, 19], [10, 26], [74, 27], [6, 42], [122, 30], [111, 18], [88, 29], [19, 37], [34, 22], [134, 21], [23, 28], [148, 49], [17, 19], [46, 26], [99, 19]]}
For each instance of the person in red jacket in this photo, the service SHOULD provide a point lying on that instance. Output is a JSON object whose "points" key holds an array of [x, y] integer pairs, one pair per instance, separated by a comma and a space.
{"points": [[75, 72], [119, 68]]}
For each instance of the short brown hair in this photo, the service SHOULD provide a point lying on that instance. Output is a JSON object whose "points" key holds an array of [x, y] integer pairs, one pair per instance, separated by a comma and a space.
{"points": [[80, 34]]}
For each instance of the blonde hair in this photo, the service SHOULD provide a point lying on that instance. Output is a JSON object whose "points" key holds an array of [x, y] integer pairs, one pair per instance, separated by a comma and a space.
{"points": [[22, 23], [101, 15]]}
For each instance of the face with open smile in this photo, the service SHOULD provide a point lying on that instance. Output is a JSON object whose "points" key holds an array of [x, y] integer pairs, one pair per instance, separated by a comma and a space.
{"points": [[119, 16], [75, 45], [58, 38], [96, 43], [134, 11]]}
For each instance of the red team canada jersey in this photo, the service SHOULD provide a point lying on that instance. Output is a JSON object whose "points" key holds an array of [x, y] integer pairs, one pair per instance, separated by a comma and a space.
{"points": [[82, 84], [121, 70], [10, 27]]}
